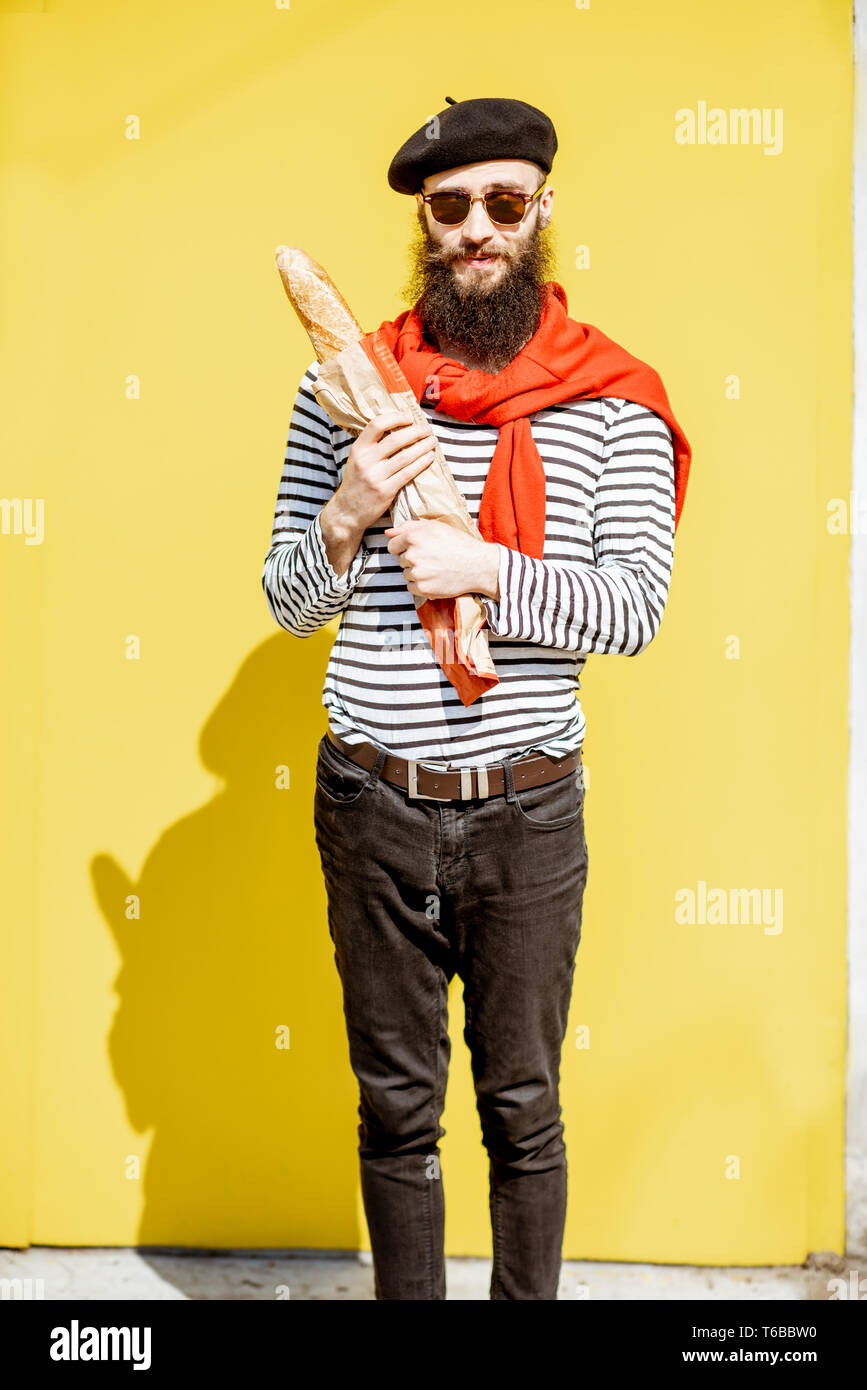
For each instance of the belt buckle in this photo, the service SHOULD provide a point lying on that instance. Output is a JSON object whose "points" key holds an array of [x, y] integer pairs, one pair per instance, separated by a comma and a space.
{"points": [[412, 767], [466, 776]]}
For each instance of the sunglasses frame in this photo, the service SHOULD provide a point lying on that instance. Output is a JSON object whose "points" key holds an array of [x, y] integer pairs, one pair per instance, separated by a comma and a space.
{"points": [[527, 198]]}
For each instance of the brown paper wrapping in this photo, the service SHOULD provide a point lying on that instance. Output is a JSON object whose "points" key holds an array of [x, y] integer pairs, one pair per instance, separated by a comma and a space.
{"points": [[351, 391]]}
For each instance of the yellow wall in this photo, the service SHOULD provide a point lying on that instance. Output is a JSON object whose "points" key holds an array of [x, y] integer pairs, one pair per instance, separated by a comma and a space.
{"points": [[156, 776]]}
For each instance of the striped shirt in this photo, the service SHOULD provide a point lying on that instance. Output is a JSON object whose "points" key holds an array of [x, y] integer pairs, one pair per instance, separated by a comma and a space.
{"points": [[601, 587]]}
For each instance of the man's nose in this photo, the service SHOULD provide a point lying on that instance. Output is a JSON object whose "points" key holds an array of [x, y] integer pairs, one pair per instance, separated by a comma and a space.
{"points": [[478, 225]]}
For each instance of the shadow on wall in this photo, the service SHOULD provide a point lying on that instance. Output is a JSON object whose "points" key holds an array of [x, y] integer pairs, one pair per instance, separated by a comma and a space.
{"points": [[254, 1145]]}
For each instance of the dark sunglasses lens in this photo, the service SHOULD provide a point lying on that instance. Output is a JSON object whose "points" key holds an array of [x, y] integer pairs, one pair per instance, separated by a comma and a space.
{"points": [[504, 208], [449, 208]]}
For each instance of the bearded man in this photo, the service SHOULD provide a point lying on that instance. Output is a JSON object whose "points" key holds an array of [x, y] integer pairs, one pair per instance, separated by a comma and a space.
{"points": [[451, 836]]}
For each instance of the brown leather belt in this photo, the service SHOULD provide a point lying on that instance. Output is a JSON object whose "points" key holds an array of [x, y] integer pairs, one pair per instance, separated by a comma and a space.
{"points": [[461, 784]]}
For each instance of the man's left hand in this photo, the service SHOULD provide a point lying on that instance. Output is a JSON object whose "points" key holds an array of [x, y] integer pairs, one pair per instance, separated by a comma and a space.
{"points": [[439, 561]]}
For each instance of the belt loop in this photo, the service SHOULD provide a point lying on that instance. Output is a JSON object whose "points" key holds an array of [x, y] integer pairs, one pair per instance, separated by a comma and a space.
{"points": [[509, 778], [381, 755]]}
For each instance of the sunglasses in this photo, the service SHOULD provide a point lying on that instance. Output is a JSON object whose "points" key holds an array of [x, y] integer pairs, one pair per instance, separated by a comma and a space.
{"points": [[504, 207]]}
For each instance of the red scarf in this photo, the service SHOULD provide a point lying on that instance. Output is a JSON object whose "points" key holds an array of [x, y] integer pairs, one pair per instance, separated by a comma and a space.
{"points": [[563, 361]]}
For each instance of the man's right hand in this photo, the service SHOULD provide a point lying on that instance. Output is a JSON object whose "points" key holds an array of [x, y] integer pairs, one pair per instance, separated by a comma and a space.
{"points": [[390, 450]]}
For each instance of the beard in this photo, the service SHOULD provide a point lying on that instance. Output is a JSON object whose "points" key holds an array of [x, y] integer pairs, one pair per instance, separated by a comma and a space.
{"points": [[489, 323]]}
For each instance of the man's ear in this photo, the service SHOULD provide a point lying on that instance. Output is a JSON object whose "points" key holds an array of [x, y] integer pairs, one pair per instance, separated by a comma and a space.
{"points": [[545, 205]]}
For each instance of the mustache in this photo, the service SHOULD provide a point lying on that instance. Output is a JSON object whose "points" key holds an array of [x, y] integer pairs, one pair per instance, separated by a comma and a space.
{"points": [[442, 255]]}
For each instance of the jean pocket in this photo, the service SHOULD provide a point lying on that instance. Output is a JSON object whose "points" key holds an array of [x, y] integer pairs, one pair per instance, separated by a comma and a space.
{"points": [[339, 780], [554, 805]]}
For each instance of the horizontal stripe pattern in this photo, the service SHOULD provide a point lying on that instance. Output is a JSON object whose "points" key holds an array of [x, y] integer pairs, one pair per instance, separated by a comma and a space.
{"points": [[601, 587]]}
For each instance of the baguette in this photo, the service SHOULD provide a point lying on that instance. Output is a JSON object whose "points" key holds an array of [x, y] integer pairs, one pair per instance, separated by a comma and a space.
{"points": [[327, 318]]}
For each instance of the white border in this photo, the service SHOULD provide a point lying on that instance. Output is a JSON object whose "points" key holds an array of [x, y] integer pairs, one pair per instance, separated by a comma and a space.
{"points": [[856, 1081]]}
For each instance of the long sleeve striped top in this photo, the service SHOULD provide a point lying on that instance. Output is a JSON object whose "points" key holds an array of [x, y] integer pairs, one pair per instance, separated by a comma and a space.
{"points": [[601, 587]]}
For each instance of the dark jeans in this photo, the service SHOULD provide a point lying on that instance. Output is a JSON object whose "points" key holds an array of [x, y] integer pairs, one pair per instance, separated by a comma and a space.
{"points": [[418, 891]]}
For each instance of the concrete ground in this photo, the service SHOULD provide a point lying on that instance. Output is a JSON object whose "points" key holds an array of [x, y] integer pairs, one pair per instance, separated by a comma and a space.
{"points": [[95, 1273]]}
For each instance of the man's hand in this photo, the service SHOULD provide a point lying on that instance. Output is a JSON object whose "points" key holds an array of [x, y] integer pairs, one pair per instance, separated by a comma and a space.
{"points": [[392, 449], [439, 561]]}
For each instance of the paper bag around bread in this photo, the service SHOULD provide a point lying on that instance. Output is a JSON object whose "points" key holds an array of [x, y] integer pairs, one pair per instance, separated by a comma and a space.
{"points": [[350, 389]]}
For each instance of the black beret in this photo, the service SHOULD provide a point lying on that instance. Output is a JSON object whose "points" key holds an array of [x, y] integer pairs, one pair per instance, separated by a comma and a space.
{"points": [[469, 131]]}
